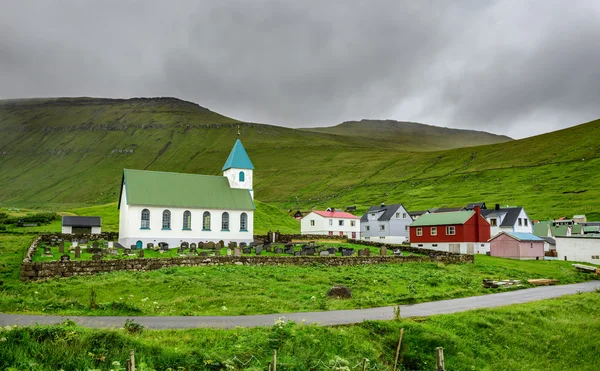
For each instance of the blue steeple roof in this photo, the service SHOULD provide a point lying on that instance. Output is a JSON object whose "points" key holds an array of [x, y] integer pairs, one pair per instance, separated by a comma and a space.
{"points": [[238, 158]]}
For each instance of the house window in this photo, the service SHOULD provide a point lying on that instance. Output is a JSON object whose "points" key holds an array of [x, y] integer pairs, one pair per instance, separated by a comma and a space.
{"points": [[382, 227], [451, 230], [406, 228], [520, 222], [145, 219], [330, 221], [434, 245], [244, 222], [187, 220], [368, 228], [433, 231], [206, 221], [397, 215], [595, 256], [493, 222], [373, 216], [419, 231], [420, 245], [225, 221], [404, 215], [526, 222], [166, 222], [312, 223], [352, 223], [341, 223], [242, 176]]}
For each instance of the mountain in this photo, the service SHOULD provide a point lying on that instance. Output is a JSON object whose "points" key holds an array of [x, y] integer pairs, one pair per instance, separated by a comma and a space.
{"points": [[412, 135], [69, 153]]}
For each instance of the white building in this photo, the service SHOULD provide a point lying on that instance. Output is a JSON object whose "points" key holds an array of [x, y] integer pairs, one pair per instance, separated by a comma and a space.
{"points": [[81, 224], [507, 219], [578, 248], [331, 223], [385, 224], [173, 208]]}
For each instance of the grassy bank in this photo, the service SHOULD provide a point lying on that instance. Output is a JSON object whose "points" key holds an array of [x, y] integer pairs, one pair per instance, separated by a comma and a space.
{"points": [[557, 334], [231, 290]]}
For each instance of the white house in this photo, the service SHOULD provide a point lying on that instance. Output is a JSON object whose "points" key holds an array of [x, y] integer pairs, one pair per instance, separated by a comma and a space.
{"points": [[578, 248], [173, 208], [507, 219], [331, 223], [81, 224], [385, 224]]}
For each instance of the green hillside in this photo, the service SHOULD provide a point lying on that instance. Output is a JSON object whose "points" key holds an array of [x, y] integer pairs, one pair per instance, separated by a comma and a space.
{"points": [[412, 135], [69, 153]]}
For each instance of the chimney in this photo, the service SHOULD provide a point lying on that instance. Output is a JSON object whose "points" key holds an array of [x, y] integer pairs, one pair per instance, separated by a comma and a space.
{"points": [[477, 221], [383, 204], [497, 207], [569, 231], [549, 231]]}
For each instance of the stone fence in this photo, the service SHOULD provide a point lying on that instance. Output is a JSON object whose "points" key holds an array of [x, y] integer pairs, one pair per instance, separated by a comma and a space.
{"points": [[300, 237], [44, 270], [407, 248]]}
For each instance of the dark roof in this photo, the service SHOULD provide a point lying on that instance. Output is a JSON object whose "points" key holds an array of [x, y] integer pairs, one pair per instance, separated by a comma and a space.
{"points": [[550, 240], [82, 221], [472, 205], [512, 214], [388, 212], [446, 209]]}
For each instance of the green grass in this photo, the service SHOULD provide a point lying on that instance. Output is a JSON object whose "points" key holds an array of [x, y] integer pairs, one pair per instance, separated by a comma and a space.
{"points": [[558, 334], [258, 289]]}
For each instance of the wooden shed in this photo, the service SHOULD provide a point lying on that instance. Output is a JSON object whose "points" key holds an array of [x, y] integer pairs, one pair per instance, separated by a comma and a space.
{"points": [[517, 245]]}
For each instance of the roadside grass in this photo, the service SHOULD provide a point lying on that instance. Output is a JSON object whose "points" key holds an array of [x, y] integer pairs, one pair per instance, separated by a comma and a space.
{"points": [[239, 290], [556, 334]]}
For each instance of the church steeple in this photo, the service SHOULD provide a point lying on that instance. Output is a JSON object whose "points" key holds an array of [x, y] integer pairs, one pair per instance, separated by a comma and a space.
{"points": [[238, 168]]}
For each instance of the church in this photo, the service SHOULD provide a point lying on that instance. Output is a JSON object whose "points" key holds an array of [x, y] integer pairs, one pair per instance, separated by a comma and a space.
{"points": [[162, 207]]}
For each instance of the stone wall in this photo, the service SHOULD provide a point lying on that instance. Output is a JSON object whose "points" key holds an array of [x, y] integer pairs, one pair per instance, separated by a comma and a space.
{"points": [[406, 248], [302, 237], [44, 270]]}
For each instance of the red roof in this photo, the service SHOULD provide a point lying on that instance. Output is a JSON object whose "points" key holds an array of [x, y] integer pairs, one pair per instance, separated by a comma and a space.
{"points": [[335, 214]]}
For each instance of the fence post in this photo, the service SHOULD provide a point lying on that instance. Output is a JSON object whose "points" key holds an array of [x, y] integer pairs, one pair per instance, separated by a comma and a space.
{"points": [[439, 359], [274, 360], [398, 349], [364, 364], [131, 360]]}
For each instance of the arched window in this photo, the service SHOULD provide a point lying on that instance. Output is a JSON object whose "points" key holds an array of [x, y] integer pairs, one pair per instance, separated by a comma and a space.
{"points": [[166, 223], [206, 221], [225, 221], [187, 220], [241, 176], [244, 222], [145, 219]]}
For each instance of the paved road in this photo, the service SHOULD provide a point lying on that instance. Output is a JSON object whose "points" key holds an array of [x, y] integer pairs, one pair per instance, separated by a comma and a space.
{"points": [[336, 317]]}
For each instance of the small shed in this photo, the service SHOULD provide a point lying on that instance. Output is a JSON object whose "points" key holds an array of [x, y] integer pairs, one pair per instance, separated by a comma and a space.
{"points": [[81, 224], [517, 245]]}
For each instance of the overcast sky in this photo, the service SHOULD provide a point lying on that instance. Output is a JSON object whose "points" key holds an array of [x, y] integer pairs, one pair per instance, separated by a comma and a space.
{"points": [[513, 67]]}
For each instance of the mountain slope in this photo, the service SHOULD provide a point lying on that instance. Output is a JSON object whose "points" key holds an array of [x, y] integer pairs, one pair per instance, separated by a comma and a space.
{"points": [[72, 155], [412, 135]]}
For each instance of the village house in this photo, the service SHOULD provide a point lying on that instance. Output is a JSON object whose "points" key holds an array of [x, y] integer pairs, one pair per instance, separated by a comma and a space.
{"points": [[508, 219], [517, 245], [385, 224], [465, 232], [171, 208], [579, 248], [331, 223], [81, 225], [581, 218]]}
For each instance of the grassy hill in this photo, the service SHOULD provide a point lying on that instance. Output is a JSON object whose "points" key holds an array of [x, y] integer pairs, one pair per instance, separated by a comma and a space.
{"points": [[69, 153], [412, 135]]}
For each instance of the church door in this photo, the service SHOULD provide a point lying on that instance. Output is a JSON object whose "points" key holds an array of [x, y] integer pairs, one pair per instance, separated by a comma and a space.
{"points": [[139, 244]]}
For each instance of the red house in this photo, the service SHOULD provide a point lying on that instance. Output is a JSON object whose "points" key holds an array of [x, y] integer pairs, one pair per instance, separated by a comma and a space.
{"points": [[465, 232]]}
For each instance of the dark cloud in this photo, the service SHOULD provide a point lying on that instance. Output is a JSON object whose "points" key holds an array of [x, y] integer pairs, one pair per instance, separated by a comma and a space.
{"points": [[510, 67]]}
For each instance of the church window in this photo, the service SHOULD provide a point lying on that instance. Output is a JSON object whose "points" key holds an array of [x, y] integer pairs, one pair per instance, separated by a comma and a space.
{"points": [[187, 220], [145, 219], [244, 222], [206, 221], [242, 176], [225, 221], [166, 220]]}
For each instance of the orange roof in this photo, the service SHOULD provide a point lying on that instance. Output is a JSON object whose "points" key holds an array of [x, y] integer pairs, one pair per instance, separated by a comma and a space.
{"points": [[335, 214]]}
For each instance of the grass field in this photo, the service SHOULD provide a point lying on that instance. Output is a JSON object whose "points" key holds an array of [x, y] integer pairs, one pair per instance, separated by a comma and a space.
{"points": [[232, 290], [558, 334]]}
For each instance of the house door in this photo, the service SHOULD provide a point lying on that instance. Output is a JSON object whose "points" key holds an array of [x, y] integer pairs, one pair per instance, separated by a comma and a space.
{"points": [[341, 233], [139, 245], [331, 233], [353, 235], [454, 247], [471, 248]]}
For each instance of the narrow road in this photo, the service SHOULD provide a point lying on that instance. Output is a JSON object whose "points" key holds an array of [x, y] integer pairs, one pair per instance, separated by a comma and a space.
{"points": [[336, 317]]}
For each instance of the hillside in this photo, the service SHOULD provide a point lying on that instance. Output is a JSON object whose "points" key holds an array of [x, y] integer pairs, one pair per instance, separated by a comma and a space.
{"points": [[412, 135], [68, 153]]}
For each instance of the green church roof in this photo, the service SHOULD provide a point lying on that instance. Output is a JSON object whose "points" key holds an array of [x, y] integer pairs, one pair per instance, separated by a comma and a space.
{"points": [[238, 158], [449, 218], [157, 188]]}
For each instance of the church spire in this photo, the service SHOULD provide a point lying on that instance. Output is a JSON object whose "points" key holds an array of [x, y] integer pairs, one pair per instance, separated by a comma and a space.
{"points": [[238, 158]]}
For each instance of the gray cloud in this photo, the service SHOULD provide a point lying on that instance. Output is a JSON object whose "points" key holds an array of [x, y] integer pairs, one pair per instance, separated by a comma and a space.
{"points": [[511, 67]]}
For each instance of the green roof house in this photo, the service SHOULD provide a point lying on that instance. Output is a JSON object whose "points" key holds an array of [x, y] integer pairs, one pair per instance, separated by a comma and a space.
{"points": [[181, 209]]}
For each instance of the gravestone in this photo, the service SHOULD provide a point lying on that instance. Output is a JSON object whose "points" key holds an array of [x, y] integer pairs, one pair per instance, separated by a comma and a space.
{"points": [[105, 244], [383, 251], [297, 253], [347, 252], [324, 253], [132, 247], [397, 252], [237, 252], [289, 250], [47, 251], [309, 251], [181, 250], [361, 252], [231, 244], [95, 245], [211, 245], [311, 243], [258, 253], [126, 251], [200, 245], [268, 248], [61, 247], [74, 243], [218, 253], [367, 252], [113, 251], [278, 250], [111, 244], [77, 251], [258, 250], [247, 250], [149, 245], [243, 244], [141, 253], [193, 248], [164, 246], [185, 245], [65, 258], [228, 252], [331, 251], [96, 257], [83, 241]]}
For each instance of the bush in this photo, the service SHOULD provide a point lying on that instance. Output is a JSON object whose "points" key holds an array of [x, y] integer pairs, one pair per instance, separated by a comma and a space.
{"points": [[133, 327]]}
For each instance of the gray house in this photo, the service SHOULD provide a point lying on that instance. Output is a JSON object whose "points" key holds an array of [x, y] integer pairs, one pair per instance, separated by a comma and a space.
{"points": [[385, 223]]}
